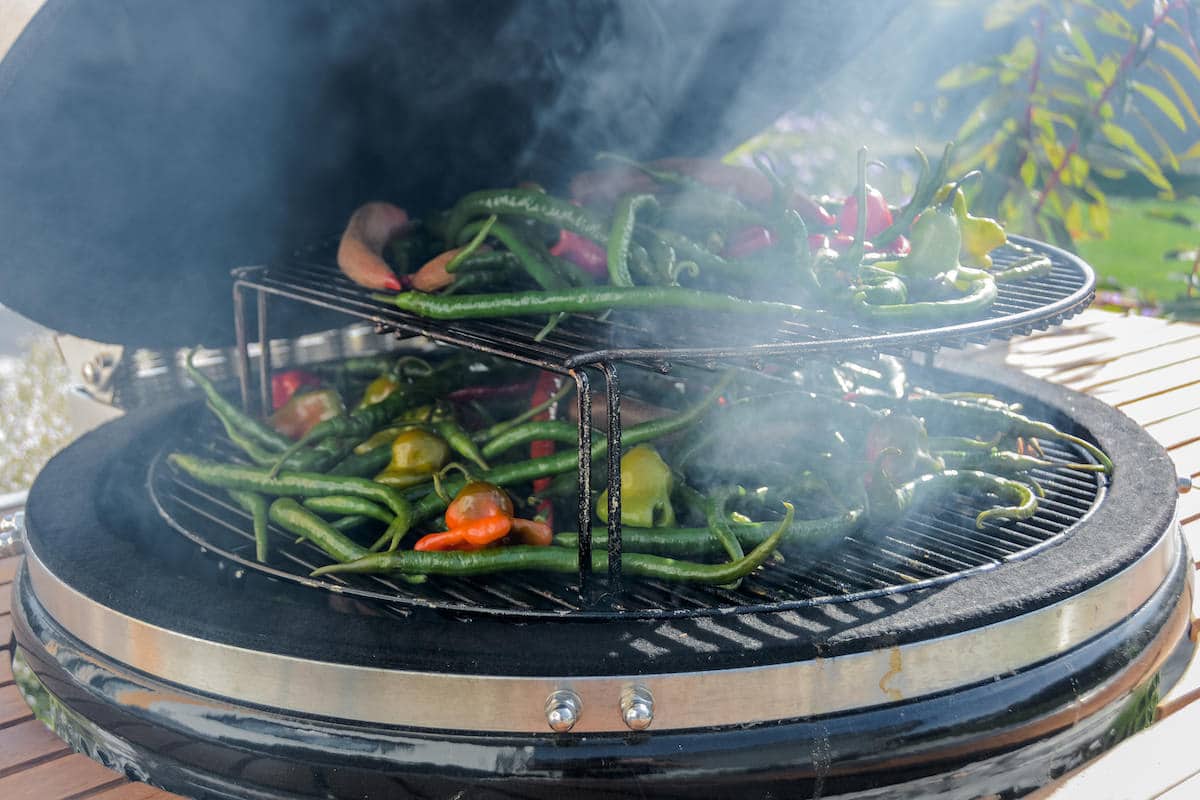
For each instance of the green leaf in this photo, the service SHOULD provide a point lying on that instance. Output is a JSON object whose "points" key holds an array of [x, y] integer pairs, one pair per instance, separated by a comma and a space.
{"points": [[1164, 147], [964, 75], [1191, 152], [1076, 169], [1182, 57], [1081, 43], [1112, 23], [1181, 94], [1107, 69], [1164, 104], [1029, 171], [1006, 12], [1144, 163]]}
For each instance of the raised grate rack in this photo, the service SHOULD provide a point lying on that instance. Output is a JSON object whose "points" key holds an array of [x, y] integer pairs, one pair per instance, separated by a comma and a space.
{"points": [[658, 341]]}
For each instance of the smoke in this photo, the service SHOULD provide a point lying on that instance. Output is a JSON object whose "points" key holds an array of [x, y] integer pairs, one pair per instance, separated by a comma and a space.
{"points": [[150, 146]]}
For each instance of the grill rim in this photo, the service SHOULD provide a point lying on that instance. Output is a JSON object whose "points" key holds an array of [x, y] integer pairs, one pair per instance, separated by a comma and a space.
{"points": [[59, 513]]}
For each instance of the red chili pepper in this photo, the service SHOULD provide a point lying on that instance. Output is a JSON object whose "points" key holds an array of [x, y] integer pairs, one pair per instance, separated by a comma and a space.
{"points": [[582, 252], [748, 241], [879, 216], [284, 385], [532, 531], [900, 246], [469, 394]]}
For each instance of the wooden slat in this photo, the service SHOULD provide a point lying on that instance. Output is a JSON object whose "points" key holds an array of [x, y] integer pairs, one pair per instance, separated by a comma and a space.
{"points": [[1148, 384], [28, 743], [12, 708], [1092, 376], [1102, 348], [133, 791], [1077, 363], [5, 668], [5, 599], [1186, 458], [8, 568], [5, 629], [1173, 402], [1177, 430], [64, 777], [1189, 506]]}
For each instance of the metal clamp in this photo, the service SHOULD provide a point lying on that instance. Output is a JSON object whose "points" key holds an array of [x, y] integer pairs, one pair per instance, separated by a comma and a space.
{"points": [[12, 534]]}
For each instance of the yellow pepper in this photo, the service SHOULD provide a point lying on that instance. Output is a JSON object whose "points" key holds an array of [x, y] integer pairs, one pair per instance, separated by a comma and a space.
{"points": [[646, 483], [980, 235], [416, 455]]}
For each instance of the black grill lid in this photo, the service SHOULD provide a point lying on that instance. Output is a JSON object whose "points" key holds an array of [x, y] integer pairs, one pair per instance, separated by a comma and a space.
{"points": [[149, 146]]}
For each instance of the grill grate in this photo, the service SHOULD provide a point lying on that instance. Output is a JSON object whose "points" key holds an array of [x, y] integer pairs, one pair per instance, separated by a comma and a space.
{"points": [[652, 340], [655, 340], [925, 548]]}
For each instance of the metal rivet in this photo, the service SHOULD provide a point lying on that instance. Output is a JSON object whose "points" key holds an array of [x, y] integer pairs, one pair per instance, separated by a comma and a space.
{"points": [[562, 710], [1184, 484], [637, 707]]}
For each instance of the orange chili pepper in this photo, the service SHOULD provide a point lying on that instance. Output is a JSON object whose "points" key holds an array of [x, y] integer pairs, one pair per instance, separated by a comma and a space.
{"points": [[468, 536], [477, 500]]}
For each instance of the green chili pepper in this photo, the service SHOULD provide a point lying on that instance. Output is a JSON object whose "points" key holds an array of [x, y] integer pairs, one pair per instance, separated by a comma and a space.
{"points": [[252, 429], [702, 543], [1028, 267], [621, 237], [718, 520], [295, 484], [255, 505], [289, 515], [1022, 497], [533, 259], [460, 442], [492, 260], [979, 296], [528, 204], [554, 430], [523, 471], [504, 304], [927, 186], [348, 505], [976, 417], [362, 465], [559, 559], [1004, 462]]}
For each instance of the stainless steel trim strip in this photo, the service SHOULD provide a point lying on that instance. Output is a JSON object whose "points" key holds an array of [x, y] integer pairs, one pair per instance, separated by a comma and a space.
{"points": [[681, 700]]}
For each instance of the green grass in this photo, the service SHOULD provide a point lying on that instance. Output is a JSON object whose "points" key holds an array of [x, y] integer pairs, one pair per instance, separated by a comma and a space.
{"points": [[1132, 255]]}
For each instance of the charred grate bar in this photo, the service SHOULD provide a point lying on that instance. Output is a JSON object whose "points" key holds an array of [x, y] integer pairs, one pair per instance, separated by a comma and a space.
{"points": [[924, 549]]}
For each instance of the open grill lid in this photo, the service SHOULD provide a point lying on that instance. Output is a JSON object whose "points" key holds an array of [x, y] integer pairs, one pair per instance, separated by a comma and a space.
{"points": [[149, 146]]}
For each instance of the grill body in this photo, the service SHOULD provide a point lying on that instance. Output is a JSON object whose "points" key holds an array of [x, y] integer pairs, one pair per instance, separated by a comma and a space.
{"points": [[214, 680]]}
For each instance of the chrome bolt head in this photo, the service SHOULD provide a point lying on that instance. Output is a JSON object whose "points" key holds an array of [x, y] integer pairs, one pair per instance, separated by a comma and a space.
{"points": [[562, 710], [637, 708], [1185, 484]]}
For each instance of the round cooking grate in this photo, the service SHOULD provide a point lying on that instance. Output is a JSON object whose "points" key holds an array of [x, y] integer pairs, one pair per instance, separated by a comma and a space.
{"points": [[926, 548], [655, 340]]}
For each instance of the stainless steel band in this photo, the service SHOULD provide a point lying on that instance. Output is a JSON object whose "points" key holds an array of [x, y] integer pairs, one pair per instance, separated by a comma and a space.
{"points": [[612, 703]]}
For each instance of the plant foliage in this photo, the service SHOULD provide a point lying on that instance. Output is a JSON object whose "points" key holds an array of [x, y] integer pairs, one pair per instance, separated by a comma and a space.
{"points": [[1085, 90]]}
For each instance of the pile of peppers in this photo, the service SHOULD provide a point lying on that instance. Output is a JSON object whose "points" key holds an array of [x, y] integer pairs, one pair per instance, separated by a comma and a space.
{"points": [[428, 472], [696, 235]]}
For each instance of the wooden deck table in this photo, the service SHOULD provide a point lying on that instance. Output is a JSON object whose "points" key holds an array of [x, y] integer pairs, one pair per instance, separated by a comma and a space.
{"points": [[1148, 368]]}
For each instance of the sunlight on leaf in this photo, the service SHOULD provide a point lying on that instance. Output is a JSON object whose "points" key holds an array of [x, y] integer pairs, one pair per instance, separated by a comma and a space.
{"points": [[1164, 104]]}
